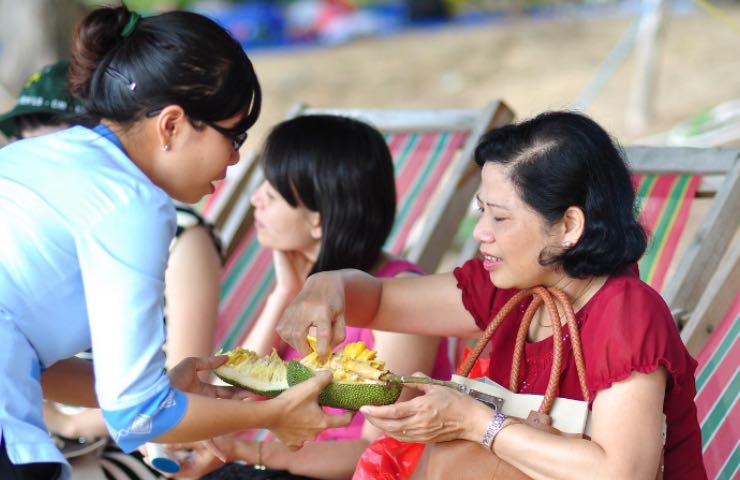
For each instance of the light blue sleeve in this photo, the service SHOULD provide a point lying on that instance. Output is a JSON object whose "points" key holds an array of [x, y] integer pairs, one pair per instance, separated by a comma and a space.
{"points": [[132, 427], [123, 256]]}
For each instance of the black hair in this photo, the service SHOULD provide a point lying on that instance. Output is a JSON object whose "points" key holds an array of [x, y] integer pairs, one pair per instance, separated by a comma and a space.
{"points": [[178, 57], [341, 168], [562, 159], [32, 121]]}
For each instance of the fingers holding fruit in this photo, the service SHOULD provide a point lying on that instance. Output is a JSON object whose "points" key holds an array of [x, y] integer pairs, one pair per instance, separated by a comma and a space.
{"points": [[319, 305], [302, 418]]}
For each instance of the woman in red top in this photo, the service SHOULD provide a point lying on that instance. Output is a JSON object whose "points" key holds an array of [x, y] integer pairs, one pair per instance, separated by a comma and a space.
{"points": [[557, 209]]}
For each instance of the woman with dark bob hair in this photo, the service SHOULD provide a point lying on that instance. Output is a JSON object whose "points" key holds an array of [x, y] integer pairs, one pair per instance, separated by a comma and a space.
{"points": [[557, 209], [328, 202], [86, 220]]}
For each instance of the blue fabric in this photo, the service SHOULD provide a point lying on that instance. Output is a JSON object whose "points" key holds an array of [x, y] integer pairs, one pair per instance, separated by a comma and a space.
{"points": [[85, 237], [132, 427], [106, 132]]}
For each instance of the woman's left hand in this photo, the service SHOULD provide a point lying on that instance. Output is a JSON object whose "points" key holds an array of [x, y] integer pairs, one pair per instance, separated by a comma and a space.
{"points": [[184, 377], [441, 414]]}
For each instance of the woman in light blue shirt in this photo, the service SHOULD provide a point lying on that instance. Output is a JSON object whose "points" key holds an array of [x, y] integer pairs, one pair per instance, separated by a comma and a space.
{"points": [[85, 224]]}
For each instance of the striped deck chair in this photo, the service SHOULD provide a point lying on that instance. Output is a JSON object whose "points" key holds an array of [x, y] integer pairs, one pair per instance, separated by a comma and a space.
{"points": [[667, 179], [717, 392], [664, 204], [436, 180]]}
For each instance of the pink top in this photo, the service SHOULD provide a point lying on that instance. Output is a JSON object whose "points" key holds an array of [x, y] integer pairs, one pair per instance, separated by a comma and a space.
{"points": [[625, 327], [442, 369]]}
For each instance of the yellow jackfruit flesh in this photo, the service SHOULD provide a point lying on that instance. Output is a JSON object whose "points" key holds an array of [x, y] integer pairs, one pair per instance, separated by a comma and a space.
{"points": [[354, 363], [357, 375], [267, 376]]}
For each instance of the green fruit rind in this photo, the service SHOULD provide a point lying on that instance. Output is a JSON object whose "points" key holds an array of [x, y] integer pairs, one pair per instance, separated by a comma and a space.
{"points": [[233, 377], [349, 396]]}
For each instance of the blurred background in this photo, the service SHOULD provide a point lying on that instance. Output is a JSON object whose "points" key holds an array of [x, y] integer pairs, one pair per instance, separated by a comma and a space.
{"points": [[641, 68]]}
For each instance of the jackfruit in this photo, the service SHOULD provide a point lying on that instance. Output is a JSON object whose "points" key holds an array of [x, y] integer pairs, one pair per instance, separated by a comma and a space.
{"points": [[357, 376], [266, 376]]}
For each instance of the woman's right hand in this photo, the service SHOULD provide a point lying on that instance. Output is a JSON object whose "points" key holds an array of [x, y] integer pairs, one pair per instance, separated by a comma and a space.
{"points": [[319, 305], [301, 418]]}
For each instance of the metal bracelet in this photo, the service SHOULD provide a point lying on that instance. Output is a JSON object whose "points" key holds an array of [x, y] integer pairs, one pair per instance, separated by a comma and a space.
{"points": [[494, 426]]}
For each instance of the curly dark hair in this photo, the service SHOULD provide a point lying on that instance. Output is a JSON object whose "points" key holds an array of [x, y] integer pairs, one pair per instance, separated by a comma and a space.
{"points": [[561, 159]]}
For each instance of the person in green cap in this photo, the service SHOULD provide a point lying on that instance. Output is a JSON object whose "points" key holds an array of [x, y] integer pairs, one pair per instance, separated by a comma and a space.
{"points": [[44, 105]]}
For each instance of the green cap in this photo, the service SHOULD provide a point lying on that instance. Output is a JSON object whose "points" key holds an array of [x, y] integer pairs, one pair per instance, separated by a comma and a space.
{"points": [[44, 92]]}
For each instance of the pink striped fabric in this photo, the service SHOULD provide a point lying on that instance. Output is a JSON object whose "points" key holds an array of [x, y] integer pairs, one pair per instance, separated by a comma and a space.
{"points": [[718, 390], [664, 203]]}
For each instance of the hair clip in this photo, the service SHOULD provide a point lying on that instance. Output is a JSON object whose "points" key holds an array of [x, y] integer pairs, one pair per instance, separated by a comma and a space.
{"points": [[132, 86], [130, 25]]}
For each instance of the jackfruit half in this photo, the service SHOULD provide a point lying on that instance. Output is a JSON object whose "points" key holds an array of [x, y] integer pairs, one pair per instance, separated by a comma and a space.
{"points": [[266, 376], [358, 377]]}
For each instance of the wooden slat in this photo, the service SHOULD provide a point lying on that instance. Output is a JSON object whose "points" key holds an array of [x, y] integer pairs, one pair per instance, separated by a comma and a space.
{"points": [[241, 213], [709, 185], [681, 160], [702, 257], [441, 222], [715, 301], [441, 120]]}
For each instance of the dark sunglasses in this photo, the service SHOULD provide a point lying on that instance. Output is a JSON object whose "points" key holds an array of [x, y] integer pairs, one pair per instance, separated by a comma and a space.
{"points": [[237, 139]]}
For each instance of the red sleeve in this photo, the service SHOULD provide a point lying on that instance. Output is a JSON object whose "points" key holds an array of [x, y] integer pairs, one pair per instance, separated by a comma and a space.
{"points": [[630, 328], [479, 296]]}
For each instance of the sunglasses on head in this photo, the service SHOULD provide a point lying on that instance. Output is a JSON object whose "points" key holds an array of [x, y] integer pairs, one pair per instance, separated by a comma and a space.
{"points": [[237, 138]]}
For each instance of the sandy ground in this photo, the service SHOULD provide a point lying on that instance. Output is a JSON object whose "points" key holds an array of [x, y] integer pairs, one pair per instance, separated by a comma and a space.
{"points": [[532, 65]]}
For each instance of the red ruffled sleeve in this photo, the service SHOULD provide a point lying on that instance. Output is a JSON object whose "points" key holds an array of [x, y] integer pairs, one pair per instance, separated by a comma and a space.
{"points": [[628, 327], [479, 296]]}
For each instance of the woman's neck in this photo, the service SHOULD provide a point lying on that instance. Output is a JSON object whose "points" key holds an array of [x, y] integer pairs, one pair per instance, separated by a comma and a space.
{"points": [[580, 290], [134, 144]]}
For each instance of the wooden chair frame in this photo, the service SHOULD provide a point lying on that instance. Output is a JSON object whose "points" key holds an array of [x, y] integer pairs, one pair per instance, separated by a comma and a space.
{"points": [[698, 282]]}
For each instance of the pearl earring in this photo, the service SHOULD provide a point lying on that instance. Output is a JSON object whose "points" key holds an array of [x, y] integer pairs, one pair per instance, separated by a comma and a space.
{"points": [[165, 147], [567, 244]]}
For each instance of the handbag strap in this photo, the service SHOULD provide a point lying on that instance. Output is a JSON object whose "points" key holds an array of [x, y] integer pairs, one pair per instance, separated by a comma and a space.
{"points": [[548, 297], [540, 295]]}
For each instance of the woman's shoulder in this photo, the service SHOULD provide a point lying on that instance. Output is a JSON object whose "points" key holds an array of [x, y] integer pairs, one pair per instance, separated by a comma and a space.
{"points": [[187, 219], [630, 295], [628, 327]]}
